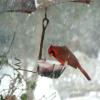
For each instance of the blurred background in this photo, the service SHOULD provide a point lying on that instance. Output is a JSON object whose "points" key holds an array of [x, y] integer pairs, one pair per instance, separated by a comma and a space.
{"points": [[74, 25]]}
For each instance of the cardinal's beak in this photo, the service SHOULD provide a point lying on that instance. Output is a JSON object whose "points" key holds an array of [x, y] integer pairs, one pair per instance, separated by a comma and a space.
{"points": [[51, 54]]}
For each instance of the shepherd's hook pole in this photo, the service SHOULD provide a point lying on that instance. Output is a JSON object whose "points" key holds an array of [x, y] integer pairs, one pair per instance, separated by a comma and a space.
{"points": [[45, 23]]}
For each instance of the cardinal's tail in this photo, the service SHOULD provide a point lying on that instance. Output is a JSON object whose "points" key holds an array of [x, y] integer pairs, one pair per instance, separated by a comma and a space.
{"points": [[84, 73]]}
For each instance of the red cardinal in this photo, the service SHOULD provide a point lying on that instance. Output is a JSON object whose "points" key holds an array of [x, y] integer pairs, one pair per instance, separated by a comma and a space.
{"points": [[82, 1], [63, 55]]}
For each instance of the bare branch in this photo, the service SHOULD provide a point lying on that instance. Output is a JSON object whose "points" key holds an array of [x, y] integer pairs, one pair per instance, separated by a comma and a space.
{"points": [[4, 75], [22, 69]]}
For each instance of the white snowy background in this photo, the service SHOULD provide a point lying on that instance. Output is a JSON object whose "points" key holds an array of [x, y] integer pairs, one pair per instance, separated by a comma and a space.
{"points": [[74, 25]]}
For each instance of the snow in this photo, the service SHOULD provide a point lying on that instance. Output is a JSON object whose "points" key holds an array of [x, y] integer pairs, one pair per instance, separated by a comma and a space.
{"points": [[83, 98], [91, 96], [7, 80], [45, 90]]}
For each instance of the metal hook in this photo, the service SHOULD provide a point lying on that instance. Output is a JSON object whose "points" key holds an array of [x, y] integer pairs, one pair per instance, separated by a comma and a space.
{"points": [[45, 23], [45, 20]]}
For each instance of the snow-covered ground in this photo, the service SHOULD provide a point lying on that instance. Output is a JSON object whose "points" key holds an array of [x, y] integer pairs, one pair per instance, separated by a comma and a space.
{"points": [[91, 96], [70, 86], [7, 76], [84, 98], [45, 90]]}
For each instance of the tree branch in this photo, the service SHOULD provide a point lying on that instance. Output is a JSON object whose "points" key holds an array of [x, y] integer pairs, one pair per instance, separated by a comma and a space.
{"points": [[22, 69], [4, 75]]}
